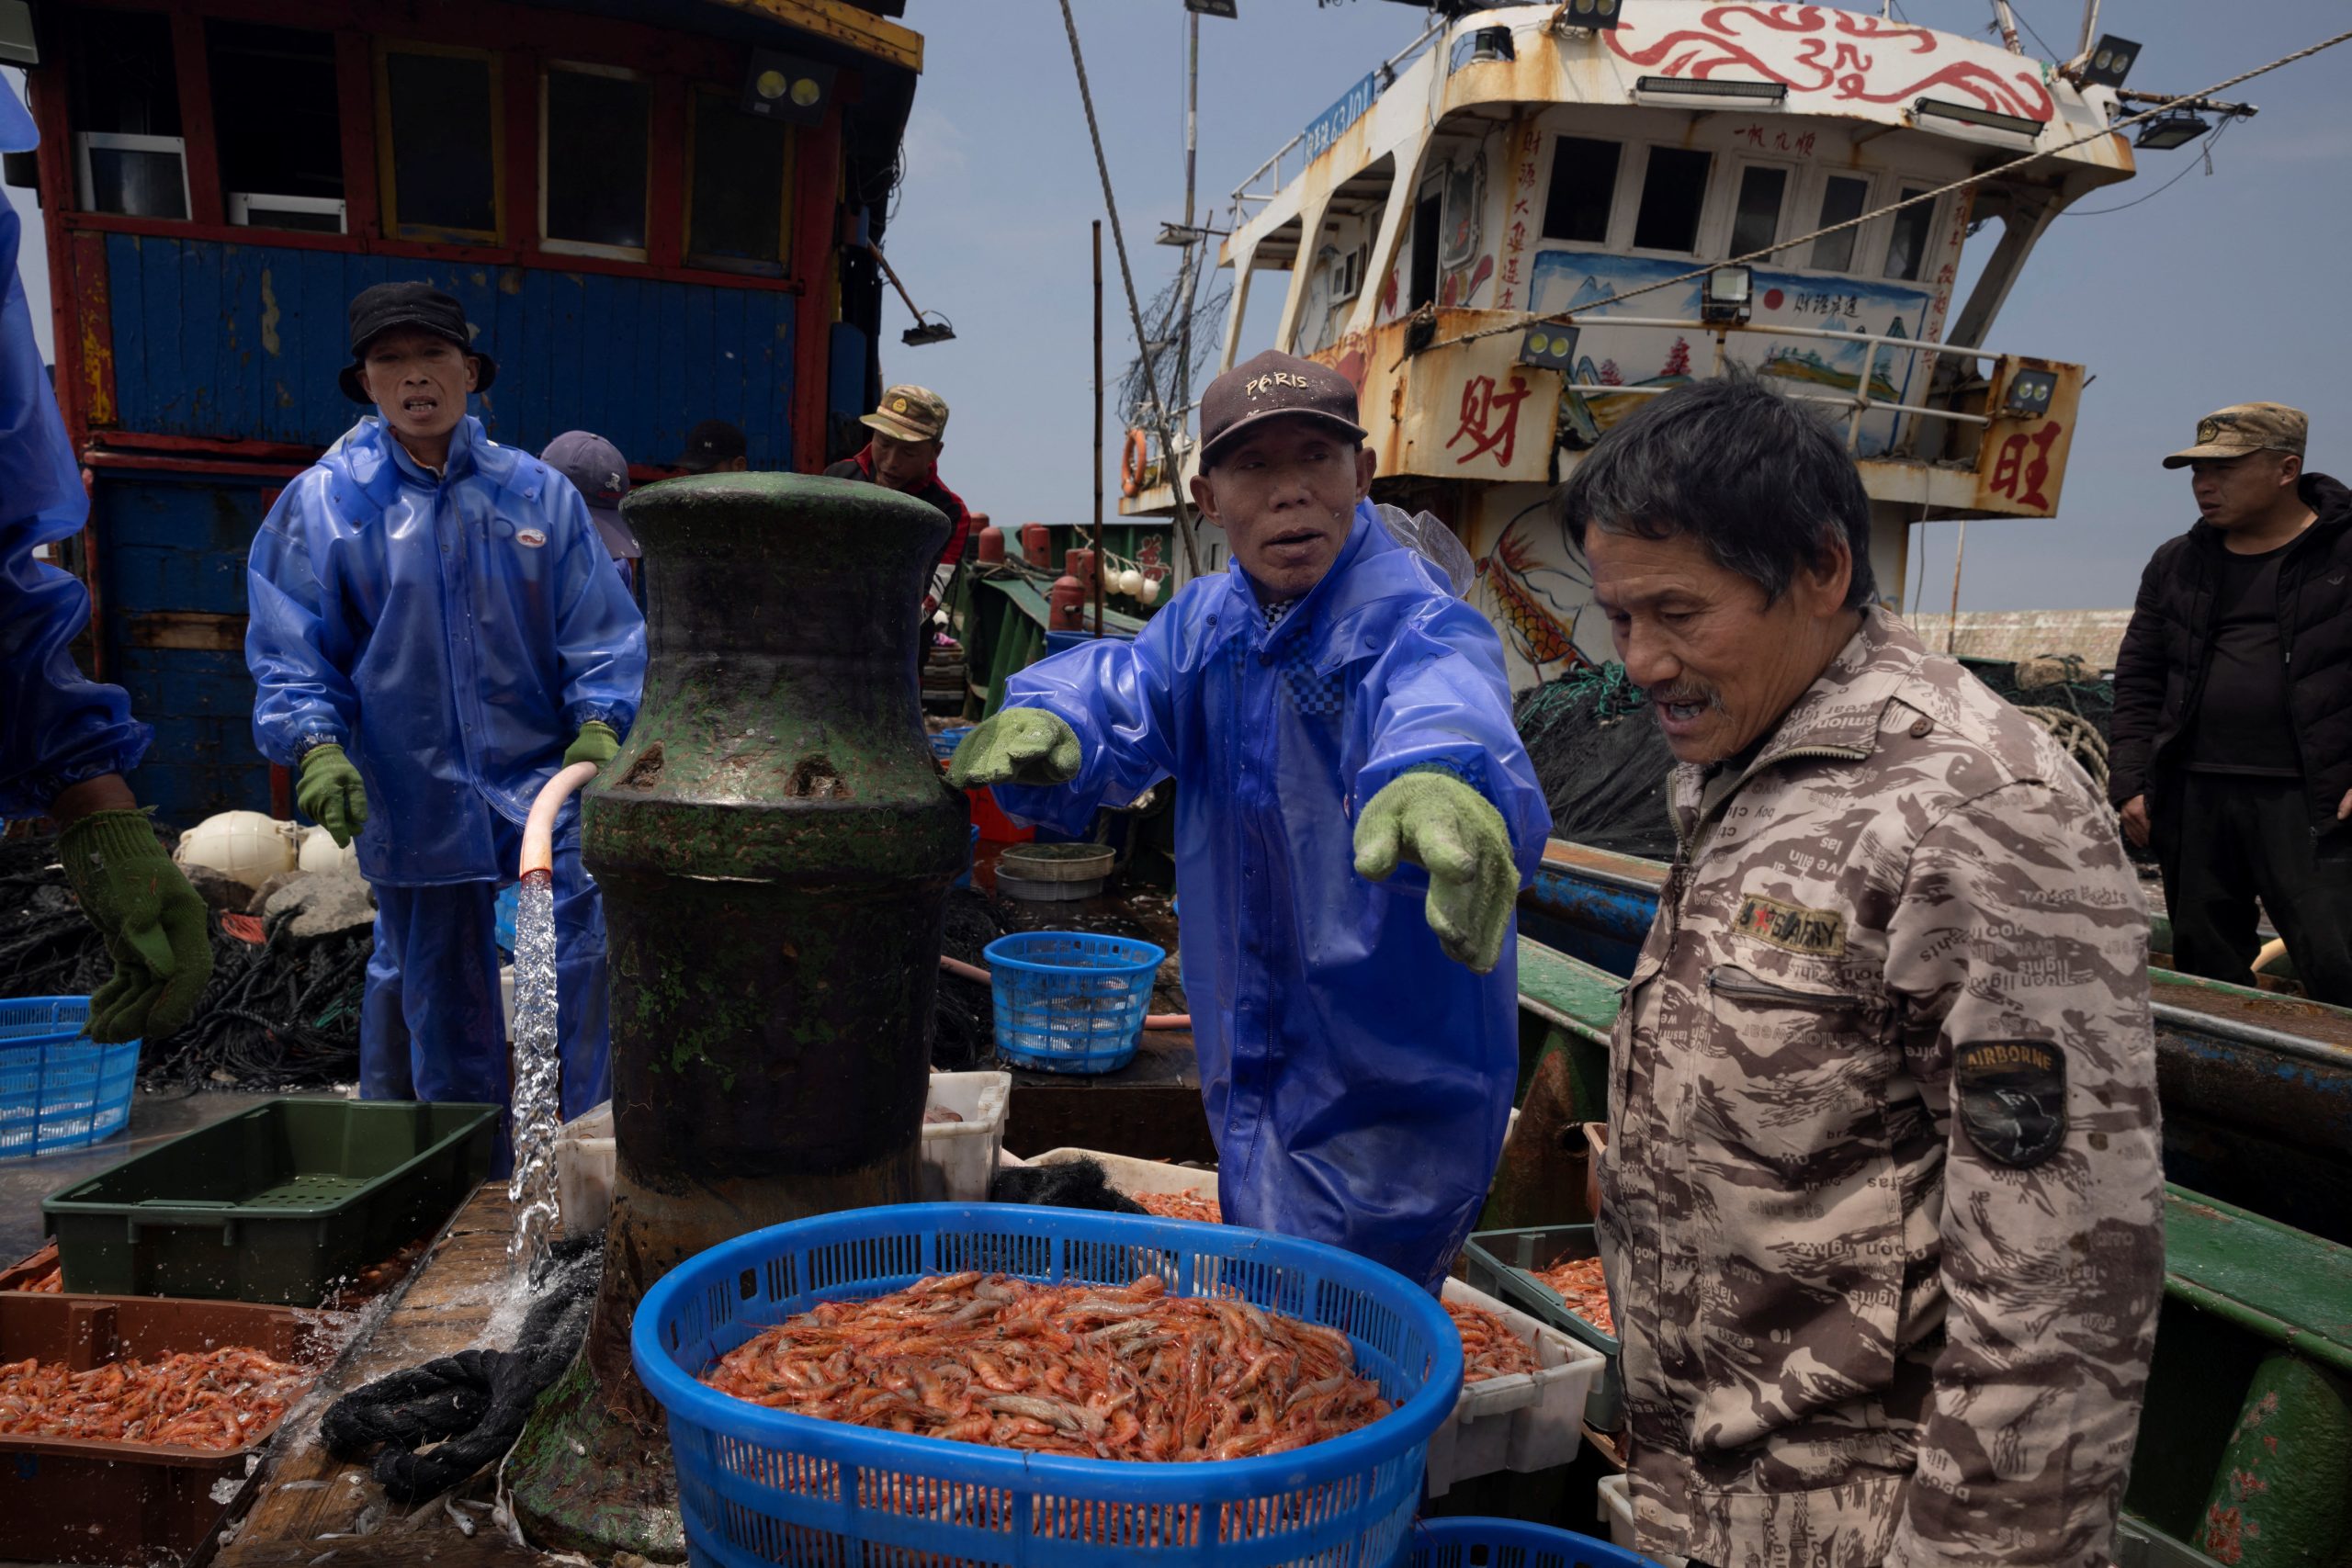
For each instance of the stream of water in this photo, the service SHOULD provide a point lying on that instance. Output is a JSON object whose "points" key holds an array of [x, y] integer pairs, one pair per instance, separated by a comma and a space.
{"points": [[539, 1075]]}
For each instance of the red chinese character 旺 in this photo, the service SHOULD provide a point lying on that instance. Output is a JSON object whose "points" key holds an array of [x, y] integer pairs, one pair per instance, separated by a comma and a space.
{"points": [[2015, 477], [1489, 418]]}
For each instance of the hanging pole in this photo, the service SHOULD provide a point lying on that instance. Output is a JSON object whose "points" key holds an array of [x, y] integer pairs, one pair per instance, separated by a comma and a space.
{"points": [[1951, 627], [2090, 29], [1098, 427], [2008, 19], [1194, 245]]}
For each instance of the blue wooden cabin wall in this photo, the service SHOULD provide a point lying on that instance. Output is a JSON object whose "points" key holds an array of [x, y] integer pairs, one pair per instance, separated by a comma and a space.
{"points": [[245, 342], [179, 544]]}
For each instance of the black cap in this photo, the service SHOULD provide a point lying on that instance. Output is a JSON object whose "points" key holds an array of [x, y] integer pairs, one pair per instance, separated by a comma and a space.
{"points": [[388, 305], [1270, 386], [711, 443]]}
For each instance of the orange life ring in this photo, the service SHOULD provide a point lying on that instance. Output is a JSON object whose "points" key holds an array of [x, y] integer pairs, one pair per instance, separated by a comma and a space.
{"points": [[1131, 464]]}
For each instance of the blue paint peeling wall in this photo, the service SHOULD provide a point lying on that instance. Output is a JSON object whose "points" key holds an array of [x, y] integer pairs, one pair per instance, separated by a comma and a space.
{"points": [[245, 342]]}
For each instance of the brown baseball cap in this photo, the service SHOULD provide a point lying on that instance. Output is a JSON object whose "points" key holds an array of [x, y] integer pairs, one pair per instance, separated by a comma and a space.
{"points": [[1269, 386], [2241, 428], [910, 413]]}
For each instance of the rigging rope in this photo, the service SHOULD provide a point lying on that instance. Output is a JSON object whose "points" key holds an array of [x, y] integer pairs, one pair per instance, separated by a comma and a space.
{"points": [[1522, 322]]}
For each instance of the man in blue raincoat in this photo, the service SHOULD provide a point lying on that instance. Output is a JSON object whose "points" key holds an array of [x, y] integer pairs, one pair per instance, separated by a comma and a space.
{"points": [[436, 629], [1328, 708], [65, 741]]}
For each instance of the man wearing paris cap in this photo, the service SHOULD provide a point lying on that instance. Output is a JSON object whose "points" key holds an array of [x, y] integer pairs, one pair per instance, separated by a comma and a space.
{"points": [[2233, 731], [1354, 818]]}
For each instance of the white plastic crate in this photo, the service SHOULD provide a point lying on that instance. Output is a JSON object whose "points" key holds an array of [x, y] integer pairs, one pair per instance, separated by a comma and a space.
{"points": [[958, 1158], [1615, 1497], [583, 1169], [1525, 1422]]}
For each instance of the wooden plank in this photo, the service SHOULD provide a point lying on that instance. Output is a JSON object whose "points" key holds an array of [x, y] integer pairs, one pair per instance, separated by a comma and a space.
{"points": [[306, 1492], [1575, 996], [185, 629], [2285, 1284]]}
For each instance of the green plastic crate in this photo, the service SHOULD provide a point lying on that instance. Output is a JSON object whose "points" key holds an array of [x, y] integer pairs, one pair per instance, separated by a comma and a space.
{"points": [[273, 1205], [1498, 1263]]}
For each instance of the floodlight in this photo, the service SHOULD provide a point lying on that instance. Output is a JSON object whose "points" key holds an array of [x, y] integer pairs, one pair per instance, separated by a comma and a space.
{"points": [[1210, 8], [786, 88], [1549, 346], [1490, 44], [1596, 14], [2172, 128], [2109, 61], [1984, 119], [1746, 89], [935, 330], [1728, 296], [2030, 392]]}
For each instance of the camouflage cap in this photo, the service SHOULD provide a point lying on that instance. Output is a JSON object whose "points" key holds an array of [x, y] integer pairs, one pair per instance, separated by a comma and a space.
{"points": [[2241, 428], [910, 413]]}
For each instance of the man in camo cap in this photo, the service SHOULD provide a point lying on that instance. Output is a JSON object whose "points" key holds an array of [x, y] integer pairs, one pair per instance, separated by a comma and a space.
{"points": [[1880, 1202], [910, 428], [2232, 734]]}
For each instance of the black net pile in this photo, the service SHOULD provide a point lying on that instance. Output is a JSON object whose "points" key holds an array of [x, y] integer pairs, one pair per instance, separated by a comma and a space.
{"points": [[278, 1015], [2058, 681], [1601, 762], [964, 1035]]}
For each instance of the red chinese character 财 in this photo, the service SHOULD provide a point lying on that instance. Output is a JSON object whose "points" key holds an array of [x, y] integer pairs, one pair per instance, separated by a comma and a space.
{"points": [[2015, 477], [1489, 418]]}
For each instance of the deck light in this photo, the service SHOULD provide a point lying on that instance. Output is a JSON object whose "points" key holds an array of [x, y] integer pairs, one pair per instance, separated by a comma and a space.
{"points": [[1729, 294], [2109, 62], [785, 87], [2030, 392], [2170, 129], [1746, 89], [1549, 345], [929, 330], [1984, 119], [1489, 44], [1594, 14], [1210, 8]]}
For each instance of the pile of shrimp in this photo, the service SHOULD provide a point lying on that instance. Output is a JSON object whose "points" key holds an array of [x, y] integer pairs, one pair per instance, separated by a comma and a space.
{"points": [[1092, 1371], [1182, 1206], [221, 1399], [1489, 1350], [1581, 1286]]}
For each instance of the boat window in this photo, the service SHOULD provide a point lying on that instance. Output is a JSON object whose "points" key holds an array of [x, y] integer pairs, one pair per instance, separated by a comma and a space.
{"points": [[1906, 247], [593, 150], [125, 101], [1428, 223], [1842, 197], [1674, 188], [1584, 184], [440, 107], [278, 121], [1757, 221], [735, 208]]}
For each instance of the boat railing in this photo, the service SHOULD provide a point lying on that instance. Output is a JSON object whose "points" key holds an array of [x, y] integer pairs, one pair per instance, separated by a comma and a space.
{"points": [[1383, 76]]}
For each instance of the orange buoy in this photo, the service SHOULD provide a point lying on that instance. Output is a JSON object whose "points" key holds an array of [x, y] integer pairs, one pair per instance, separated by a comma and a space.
{"points": [[1131, 463]]}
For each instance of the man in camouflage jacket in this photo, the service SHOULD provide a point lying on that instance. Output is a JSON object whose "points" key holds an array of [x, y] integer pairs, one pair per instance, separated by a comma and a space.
{"points": [[1881, 1206]]}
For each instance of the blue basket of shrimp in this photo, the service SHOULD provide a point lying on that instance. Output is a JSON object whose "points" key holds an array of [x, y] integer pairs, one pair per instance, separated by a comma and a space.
{"points": [[758, 1485], [58, 1089], [1511, 1543], [1070, 1001]]}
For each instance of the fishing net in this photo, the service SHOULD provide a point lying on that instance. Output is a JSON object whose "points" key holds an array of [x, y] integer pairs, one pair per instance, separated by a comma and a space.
{"points": [[278, 1014], [963, 1011], [1601, 763]]}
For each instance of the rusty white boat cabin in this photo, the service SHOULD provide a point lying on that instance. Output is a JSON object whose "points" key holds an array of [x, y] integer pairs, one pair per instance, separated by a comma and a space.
{"points": [[1514, 163]]}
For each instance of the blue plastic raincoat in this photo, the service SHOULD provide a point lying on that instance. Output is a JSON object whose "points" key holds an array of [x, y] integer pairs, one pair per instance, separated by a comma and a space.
{"points": [[452, 633], [57, 728], [1358, 1081]]}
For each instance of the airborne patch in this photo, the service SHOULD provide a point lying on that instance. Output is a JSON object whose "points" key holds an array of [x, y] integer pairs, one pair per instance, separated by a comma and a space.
{"points": [[2011, 1095], [1818, 933]]}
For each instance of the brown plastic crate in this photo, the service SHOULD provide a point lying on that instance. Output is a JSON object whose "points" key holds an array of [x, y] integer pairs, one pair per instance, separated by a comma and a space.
{"points": [[68, 1500]]}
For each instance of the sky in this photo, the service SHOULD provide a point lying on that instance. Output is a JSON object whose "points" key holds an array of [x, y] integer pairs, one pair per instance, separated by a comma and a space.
{"points": [[2216, 292]]}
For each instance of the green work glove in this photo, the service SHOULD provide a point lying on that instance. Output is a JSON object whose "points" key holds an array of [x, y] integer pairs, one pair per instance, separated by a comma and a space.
{"points": [[1019, 746], [1448, 829], [153, 922], [596, 742], [331, 794]]}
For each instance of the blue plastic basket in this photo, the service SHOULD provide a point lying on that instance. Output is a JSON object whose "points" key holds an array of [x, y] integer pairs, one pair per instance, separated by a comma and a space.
{"points": [[1070, 1001], [971, 848], [59, 1089], [1511, 1543], [762, 1486], [944, 744]]}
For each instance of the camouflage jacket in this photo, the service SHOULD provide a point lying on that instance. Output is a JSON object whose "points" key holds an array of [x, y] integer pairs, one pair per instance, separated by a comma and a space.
{"points": [[1881, 1205]]}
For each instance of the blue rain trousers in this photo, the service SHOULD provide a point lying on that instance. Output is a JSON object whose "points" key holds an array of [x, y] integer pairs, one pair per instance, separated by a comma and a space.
{"points": [[1358, 1082], [452, 633], [57, 728], [433, 1027]]}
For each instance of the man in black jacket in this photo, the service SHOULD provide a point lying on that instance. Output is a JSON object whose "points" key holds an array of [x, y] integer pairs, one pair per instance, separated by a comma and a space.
{"points": [[2232, 735]]}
